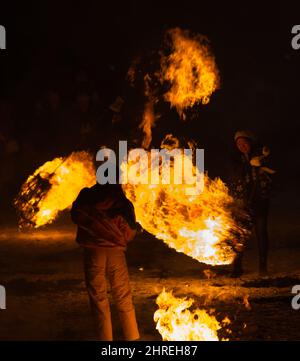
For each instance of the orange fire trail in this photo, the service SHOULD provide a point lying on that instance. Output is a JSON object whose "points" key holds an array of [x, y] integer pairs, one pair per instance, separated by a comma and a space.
{"points": [[175, 322], [53, 187], [201, 226], [190, 70]]}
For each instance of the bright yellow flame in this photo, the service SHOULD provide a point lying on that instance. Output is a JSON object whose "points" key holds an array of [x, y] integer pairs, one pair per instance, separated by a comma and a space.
{"points": [[175, 322], [190, 70], [53, 187], [200, 226]]}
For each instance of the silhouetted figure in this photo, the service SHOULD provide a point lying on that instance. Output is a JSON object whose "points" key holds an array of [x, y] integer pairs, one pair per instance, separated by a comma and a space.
{"points": [[106, 223], [250, 185]]}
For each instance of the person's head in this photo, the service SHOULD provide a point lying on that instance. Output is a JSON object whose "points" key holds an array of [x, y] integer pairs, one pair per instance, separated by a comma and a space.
{"points": [[243, 140]]}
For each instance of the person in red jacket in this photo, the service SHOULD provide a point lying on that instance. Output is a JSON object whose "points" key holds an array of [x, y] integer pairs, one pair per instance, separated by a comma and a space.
{"points": [[106, 223]]}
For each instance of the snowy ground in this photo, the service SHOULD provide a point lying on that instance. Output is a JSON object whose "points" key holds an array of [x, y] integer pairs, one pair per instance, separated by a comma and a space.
{"points": [[46, 297]]}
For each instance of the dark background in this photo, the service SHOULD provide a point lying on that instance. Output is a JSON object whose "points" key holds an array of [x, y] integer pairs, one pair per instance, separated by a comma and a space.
{"points": [[65, 64], [71, 48]]}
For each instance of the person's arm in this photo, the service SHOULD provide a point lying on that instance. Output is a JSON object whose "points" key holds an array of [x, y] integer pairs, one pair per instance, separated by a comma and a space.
{"points": [[261, 160]]}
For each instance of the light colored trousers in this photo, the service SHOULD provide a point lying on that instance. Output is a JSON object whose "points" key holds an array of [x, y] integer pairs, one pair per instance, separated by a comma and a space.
{"points": [[101, 262]]}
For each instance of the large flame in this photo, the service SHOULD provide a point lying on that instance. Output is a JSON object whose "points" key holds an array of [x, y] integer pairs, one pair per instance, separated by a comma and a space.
{"points": [[190, 69], [53, 187], [175, 322], [201, 225]]}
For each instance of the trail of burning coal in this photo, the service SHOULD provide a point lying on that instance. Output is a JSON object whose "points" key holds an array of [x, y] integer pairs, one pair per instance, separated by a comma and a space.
{"points": [[190, 70], [201, 226], [53, 187], [187, 70], [175, 322]]}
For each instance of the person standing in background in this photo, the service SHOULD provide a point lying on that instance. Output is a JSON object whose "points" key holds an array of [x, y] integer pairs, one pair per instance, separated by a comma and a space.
{"points": [[251, 185]]}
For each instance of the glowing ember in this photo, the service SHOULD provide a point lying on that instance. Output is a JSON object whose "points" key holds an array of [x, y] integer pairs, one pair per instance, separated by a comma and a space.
{"points": [[190, 70], [149, 117], [147, 124], [200, 225], [53, 187], [175, 322]]}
